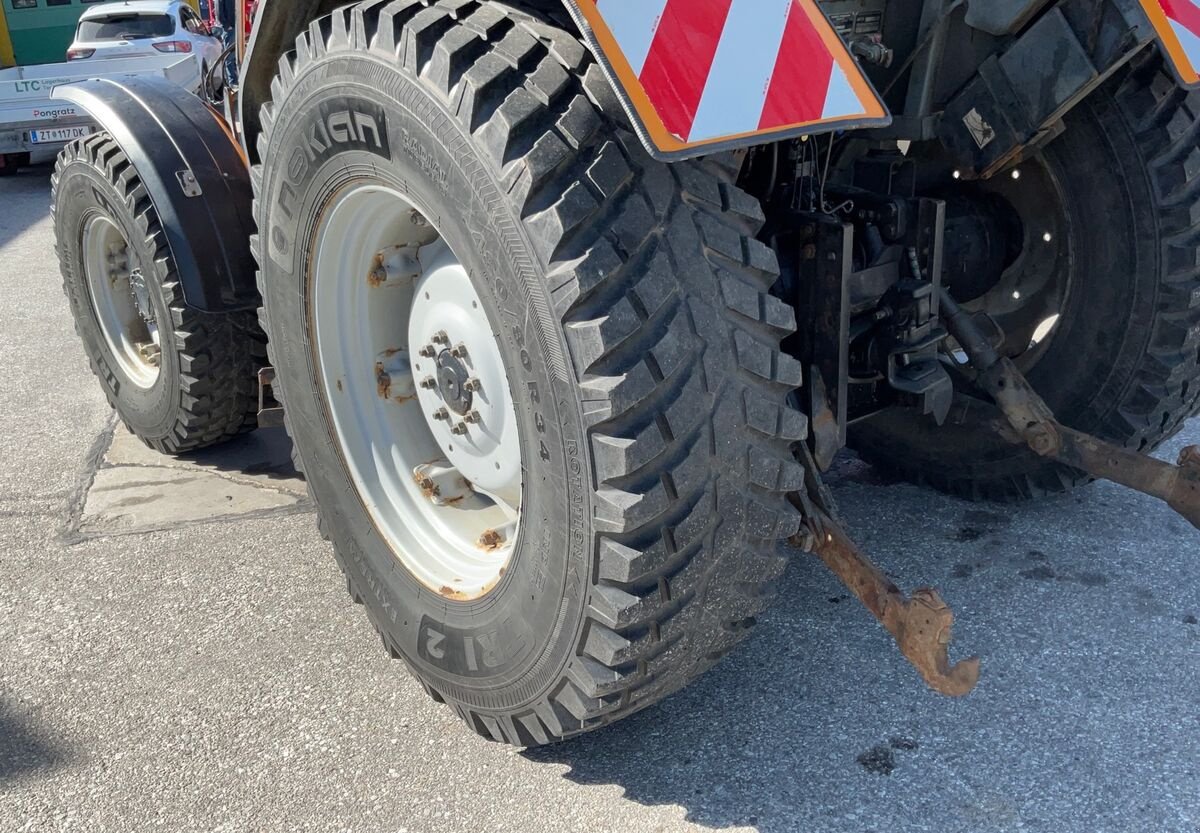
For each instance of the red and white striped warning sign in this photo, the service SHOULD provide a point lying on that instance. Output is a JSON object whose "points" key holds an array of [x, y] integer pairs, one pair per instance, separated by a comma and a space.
{"points": [[1178, 25], [703, 72]]}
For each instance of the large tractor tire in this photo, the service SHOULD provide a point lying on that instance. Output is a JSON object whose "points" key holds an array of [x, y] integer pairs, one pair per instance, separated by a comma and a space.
{"points": [[1106, 241], [180, 379], [533, 377]]}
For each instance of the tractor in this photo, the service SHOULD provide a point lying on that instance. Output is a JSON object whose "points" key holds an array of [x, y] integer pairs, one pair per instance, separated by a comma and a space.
{"points": [[569, 305]]}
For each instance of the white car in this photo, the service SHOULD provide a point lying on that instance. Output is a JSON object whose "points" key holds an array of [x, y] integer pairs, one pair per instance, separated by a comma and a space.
{"points": [[149, 27]]}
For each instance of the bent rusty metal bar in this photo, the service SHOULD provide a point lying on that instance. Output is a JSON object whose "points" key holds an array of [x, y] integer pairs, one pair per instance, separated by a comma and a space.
{"points": [[1032, 422], [1176, 485], [921, 625]]}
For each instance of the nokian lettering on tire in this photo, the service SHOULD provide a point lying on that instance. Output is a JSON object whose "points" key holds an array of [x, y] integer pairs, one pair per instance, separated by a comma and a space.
{"points": [[631, 306]]}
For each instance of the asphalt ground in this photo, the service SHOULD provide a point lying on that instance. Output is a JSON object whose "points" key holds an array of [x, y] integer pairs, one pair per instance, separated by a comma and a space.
{"points": [[164, 666]]}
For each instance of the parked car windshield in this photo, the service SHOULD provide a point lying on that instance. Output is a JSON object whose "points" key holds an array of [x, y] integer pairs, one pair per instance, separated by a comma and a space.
{"points": [[126, 27]]}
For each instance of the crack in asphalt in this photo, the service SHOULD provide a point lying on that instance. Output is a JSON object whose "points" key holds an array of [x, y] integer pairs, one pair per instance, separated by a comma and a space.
{"points": [[72, 517], [71, 531]]}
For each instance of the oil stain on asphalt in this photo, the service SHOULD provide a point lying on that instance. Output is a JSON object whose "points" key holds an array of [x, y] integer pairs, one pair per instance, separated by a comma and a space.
{"points": [[881, 759]]}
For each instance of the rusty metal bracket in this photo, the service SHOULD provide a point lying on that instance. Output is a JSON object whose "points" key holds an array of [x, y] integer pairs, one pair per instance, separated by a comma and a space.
{"points": [[921, 625]]}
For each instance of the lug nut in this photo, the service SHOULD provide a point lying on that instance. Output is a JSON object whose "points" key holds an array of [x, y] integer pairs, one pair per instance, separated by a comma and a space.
{"points": [[429, 383], [440, 337], [459, 428], [441, 413], [427, 351], [459, 351], [472, 384], [150, 353], [472, 417]]}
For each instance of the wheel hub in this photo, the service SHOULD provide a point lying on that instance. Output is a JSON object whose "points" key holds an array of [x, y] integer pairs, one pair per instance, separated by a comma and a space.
{"points": [[141, 295], [453, 381], [415, 383], [121, 301], [1008, 253], [451, 337], [983, 238]]}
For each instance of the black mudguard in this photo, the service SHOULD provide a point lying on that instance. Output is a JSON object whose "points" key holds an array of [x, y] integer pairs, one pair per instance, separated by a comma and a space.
{"points": [[197, 178]]}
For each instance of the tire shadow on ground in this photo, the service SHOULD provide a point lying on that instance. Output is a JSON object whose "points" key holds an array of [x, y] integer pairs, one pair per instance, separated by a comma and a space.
{"points": [[26, 751], [20, 195], [817, 723]]}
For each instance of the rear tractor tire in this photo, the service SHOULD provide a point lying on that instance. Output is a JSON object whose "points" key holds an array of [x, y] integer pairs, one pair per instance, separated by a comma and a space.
{"points": [[178, 378], [533, 377], [1108, 248]]}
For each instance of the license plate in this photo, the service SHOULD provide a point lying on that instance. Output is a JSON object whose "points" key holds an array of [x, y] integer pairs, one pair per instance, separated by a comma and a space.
{"points": [[58, 134]]}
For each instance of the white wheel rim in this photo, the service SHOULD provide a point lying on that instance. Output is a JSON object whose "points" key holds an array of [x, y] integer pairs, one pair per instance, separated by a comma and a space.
{"points": [[399, 327], [120, 300]]}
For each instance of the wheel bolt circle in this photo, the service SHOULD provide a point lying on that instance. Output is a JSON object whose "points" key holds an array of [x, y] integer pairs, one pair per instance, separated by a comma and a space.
{"points": [[428, 351], [441, 413], [440, 337], [459, 428]]}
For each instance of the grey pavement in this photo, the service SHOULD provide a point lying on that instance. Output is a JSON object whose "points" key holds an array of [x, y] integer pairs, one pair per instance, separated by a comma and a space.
{"points": [[194, 663]]}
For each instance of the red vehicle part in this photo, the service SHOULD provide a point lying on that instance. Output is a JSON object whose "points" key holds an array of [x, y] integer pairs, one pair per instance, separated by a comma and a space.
{"points": [[698, 76], [1178, 26]]}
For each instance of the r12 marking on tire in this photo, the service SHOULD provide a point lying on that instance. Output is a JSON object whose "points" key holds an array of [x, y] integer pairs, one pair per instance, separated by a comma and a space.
{"points": [[433, 645], [473, 653]]}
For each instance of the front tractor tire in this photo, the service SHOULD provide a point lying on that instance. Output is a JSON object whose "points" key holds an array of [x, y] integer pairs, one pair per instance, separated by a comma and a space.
{"points": [[179, 379], [533, 377]]}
